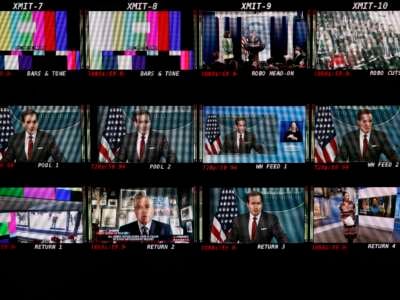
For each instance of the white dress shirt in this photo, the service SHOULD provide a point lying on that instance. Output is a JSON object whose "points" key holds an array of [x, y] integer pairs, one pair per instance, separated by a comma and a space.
{"points": [[238, 139], [139, 140], [362, 140], [148, 226], [251, 222], [27, 141]]}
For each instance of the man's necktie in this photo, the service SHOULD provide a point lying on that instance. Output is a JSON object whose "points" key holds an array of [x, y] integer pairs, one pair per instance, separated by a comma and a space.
{"points": [[241, 144], [142, 146], [365, 147], [145, 231], [254, 229], [30, 147]]}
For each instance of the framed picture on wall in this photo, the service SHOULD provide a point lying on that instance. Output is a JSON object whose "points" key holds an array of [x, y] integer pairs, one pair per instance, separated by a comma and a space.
{"points": [[108, 217], [22, 218], [112, 202], [187, 213], [189, 227], [126, 197]]}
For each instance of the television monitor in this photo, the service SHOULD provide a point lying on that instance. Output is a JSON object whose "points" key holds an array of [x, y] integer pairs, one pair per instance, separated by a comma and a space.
{"points": [[254, 134], [150, 214], [146, 134], [356, 133], [278, 214], [37, 134], [39, 40], [357, 40], [356, 215], [140, 40], [41, 214], [263, 40]]}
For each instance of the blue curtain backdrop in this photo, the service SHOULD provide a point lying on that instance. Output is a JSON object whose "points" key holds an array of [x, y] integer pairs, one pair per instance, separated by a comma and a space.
{"points": [[276, 39]]}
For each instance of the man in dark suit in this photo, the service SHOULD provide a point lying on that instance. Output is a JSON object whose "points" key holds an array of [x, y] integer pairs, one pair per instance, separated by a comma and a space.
{"points": [[145, 145], [145, 225], [32, 145], [241, 141], [256, 226], [299, 59], [366, 143], [254, 46]]}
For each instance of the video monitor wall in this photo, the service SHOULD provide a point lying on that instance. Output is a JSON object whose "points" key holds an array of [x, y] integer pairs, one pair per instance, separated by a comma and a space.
{"points": [[228, 40], [146, 134], [41, 134], [41, 214], [356, 215], [228, 134], [140, 40], [244, 215], [356, 134], [223, 170], [357, 40], [253, 40], [280, 215], [39, 40], [254, 134], [143, 214]]}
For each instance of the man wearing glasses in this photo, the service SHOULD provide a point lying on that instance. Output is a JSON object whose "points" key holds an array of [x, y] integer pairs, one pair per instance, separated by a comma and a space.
{"points": [[145, 145], [32, 145]]}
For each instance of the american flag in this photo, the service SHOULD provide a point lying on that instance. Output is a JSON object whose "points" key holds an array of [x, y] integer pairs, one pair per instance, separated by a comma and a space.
{"points": [[212, 133], [113, 133], [325, 136], [226, 212], [245, 53], [6, 129]]}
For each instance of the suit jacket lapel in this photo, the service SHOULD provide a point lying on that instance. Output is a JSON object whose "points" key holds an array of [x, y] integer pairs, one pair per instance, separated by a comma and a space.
{"points": [[373, 140], [35, 144], [357, 141], [261, 224], [152, 228], [135, 152], [146, 148], [21, 147], [136, 229], [246, 228], [246, 140], [246, 137], [235, 143]]}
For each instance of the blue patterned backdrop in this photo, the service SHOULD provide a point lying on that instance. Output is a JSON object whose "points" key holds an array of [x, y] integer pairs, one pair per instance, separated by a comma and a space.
{"points": [[62, 122], [285, 203]]}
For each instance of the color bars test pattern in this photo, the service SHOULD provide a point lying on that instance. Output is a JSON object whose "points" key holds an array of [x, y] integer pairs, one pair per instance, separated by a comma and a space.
{"points": [[125, 40], [28, 34]]}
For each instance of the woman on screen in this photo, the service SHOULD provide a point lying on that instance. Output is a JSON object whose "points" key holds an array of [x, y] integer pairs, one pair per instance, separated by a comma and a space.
{"points": [[293, 134], [227, 46], [348, 217]]}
